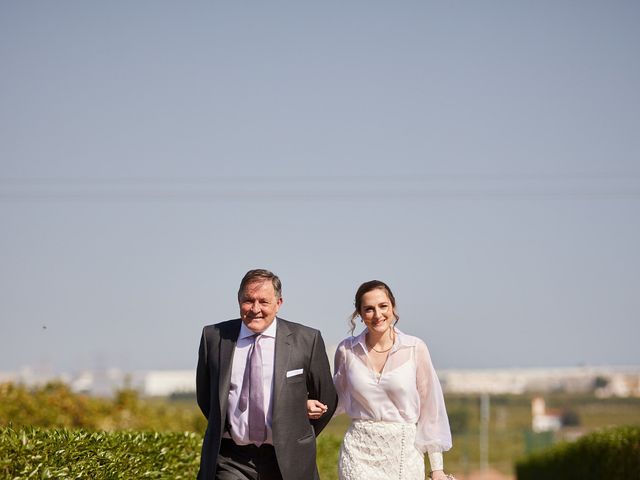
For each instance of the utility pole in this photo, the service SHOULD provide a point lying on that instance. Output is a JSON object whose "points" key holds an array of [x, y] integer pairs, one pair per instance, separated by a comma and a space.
{"points": [[484, 434]]}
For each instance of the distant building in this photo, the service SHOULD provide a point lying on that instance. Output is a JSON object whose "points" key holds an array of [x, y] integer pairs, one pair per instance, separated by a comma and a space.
{"points": [[167, 382], [622, 381], [619, 385], [603, 381], [102, 382], [543, 420]]}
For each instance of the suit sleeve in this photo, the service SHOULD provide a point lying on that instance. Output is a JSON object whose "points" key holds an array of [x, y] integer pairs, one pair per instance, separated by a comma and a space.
{"points": [[320, 382], [203, 379]]}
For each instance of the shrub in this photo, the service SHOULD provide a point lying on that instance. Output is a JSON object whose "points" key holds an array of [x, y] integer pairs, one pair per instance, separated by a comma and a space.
{"points": [[569, 418], [36, 453], [612, 454], [458, 419], [32, 452], [55, 405]]}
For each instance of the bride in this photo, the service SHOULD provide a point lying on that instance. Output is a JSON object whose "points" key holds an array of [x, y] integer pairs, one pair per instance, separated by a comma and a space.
{"points": [[387, 384]]}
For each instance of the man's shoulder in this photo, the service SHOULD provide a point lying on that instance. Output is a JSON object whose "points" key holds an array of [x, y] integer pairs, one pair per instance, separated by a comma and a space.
{"points": [[297, 327], [222, 326]]}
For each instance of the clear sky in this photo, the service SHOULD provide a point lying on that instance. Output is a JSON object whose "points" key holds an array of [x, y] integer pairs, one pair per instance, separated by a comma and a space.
{"points": [[480, 157]]}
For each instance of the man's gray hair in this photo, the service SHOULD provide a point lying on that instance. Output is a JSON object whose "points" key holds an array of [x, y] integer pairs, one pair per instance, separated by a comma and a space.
{"points": [[260, 274]]}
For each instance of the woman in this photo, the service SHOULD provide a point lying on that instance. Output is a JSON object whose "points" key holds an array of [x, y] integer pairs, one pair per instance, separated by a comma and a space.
{"points": [[387, 384]]}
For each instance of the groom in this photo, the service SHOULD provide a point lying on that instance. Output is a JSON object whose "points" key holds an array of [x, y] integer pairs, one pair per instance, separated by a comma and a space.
{"points": [[253, 379]]}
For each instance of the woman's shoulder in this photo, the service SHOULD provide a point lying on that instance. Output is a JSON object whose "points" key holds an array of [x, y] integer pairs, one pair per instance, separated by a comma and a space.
{"points": [[352, 340], [347, 343], [408, 340]]}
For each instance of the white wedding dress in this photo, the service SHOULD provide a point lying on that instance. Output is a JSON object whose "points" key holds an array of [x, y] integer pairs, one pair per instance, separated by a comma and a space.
{"points": [[397, 415]]}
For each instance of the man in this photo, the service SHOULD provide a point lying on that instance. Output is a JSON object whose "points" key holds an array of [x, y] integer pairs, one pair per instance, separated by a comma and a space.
{"points": [[253, 380]]}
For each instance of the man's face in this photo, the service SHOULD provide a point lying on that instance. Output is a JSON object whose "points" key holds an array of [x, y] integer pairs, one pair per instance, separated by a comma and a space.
{"points": [[259, 305]]}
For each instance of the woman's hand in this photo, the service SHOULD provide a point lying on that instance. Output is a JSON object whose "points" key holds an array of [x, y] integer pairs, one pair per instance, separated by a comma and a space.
{"points": [[315, 409], [440, 475]]}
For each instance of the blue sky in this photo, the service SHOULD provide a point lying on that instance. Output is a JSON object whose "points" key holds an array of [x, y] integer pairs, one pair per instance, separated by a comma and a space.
{"points": [[480, 157]]}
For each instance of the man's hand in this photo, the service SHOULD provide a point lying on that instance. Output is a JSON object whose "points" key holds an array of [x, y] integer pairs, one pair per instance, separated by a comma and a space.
{"points": [[315, 409]]}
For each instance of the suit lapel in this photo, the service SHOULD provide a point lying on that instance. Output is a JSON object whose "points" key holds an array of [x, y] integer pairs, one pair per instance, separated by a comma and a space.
{"points": [[228, 340], [283, 349]]}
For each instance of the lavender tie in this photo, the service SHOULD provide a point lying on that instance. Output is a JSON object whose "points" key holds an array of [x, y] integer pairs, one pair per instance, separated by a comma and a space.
{"points": [[252, 392]]}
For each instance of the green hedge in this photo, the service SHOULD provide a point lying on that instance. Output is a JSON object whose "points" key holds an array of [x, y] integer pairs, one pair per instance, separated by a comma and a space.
{"points": [[126, 410], [36, 453], [612, 454]]}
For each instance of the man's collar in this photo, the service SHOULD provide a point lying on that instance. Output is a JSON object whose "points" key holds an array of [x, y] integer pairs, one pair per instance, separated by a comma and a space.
{"points": [[269, 332]]}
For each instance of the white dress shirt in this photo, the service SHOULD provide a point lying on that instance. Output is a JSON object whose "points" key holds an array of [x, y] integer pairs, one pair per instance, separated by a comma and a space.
{"points": [[238, 420], [407, 390]]}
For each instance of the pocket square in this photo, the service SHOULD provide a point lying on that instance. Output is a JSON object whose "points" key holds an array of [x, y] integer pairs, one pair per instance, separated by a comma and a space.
{"points": [[293, 373]]}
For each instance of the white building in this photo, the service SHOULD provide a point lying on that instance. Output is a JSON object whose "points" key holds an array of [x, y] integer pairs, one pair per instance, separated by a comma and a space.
{"points": [[622, 380], [541, 419], [606, 381], [166, 382]]}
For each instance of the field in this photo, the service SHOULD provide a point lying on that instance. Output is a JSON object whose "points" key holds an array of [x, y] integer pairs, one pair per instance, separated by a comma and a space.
{"points": [[510, 435], [509, 426]]}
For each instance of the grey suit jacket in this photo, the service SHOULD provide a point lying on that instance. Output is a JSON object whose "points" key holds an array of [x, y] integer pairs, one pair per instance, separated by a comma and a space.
{"points": [[294, 435]]}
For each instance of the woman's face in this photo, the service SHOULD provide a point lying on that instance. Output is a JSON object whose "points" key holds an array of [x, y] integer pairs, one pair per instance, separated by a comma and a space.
{"points": [[376, 311]]}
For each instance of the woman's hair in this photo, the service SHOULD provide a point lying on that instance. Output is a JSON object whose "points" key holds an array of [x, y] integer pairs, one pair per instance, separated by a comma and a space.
{"points": [[367, 287]]}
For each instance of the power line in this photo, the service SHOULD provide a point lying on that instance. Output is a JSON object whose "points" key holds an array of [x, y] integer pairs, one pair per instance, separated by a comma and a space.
{"points": [[325, 188], [318, 179]]}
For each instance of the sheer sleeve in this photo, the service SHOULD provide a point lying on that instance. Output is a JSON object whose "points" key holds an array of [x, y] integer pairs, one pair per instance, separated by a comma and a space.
{"points": [[340, 378], [433, 432]]}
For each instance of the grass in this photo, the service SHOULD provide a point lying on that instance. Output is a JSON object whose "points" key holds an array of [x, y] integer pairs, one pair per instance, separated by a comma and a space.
{"points": [[510, 424]]}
